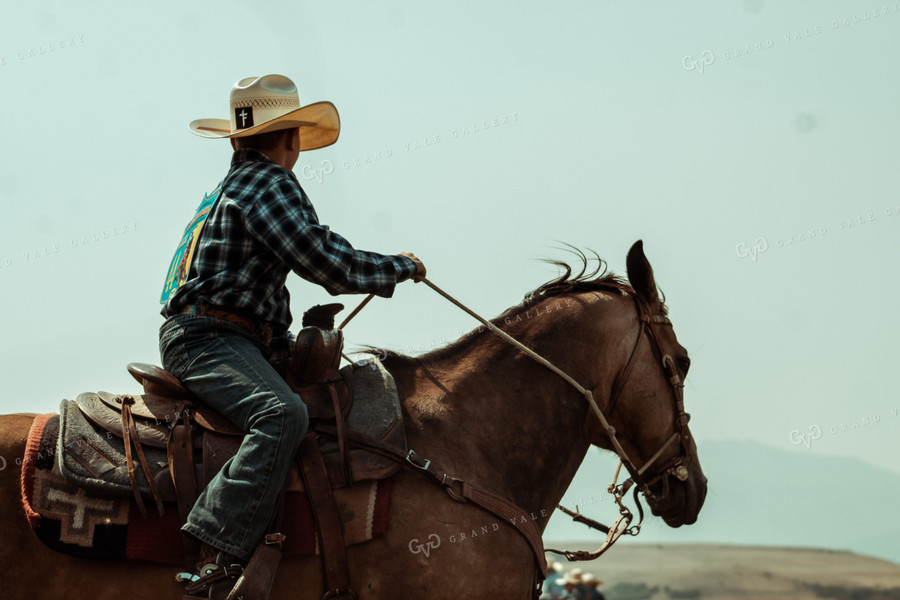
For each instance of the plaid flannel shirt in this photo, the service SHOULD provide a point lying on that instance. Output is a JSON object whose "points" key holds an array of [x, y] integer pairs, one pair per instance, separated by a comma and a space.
{"points": [[262, 227]]}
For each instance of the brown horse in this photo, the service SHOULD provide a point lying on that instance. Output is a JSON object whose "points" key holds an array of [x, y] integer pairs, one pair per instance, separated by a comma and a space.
{"points": [[480, 410]]}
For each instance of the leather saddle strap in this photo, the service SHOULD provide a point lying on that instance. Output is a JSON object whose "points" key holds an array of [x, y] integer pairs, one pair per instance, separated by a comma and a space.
{"points": [[257, 578], [492, 503], [343, 441], [180, 453], [328, 520], [131, 437], [129, 460], [255, 583]]}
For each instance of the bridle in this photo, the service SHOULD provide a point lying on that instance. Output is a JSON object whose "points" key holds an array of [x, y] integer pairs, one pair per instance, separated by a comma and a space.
{"points": [[677, 466]]}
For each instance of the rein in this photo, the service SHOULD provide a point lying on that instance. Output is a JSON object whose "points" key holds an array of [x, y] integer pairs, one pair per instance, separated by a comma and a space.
{"points": [[676, 467]]}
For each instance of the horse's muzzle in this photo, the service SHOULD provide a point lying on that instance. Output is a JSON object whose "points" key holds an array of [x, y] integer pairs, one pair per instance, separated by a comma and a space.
{"points": [[678, 501]]}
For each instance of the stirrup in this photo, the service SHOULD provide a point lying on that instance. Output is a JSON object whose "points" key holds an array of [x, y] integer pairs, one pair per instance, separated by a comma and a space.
{"points": [[209, 574]]}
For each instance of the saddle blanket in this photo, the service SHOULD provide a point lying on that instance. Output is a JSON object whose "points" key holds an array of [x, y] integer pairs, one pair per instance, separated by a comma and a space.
{"points": [[72, 520]]}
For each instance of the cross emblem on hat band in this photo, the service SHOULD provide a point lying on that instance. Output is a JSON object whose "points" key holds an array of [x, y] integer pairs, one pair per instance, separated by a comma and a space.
{"points": [[243, 117]]}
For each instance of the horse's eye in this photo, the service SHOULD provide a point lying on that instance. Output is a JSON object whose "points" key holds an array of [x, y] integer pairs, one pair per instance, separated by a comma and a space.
{"points": [[685, 364]]}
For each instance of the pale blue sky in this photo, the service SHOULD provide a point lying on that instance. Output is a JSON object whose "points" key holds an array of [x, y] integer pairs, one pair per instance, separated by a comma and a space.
{"points": [[603, 137]]}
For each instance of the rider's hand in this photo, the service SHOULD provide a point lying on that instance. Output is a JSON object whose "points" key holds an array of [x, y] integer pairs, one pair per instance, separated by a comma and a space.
{"points": [[420, 267]]}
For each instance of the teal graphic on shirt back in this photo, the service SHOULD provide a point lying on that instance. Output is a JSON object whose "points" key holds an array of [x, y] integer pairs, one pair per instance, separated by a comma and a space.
{"points": [[181, 262]]}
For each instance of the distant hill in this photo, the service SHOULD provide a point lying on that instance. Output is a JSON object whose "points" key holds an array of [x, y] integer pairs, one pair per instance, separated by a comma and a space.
{"points": [[761, 496], [720, 572]]}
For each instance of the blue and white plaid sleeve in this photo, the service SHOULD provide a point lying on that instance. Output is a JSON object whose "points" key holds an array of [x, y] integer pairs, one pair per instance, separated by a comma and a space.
{"points": [[284, 220]]}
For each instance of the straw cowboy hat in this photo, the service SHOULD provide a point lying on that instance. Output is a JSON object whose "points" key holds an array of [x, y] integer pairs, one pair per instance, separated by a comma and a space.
{"points": [[572, 577], [270, 103]]}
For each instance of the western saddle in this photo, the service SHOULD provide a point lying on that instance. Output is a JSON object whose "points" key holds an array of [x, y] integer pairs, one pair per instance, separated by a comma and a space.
{"points": [[197, 442]]}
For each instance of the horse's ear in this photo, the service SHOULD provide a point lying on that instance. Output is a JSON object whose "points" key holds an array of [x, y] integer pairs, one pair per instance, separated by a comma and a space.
{"points": [[640, 274]]}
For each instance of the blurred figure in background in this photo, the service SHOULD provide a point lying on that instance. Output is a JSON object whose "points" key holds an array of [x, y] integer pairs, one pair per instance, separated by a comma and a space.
{"points": [[553, 590], [590, 583], [572, 586]]}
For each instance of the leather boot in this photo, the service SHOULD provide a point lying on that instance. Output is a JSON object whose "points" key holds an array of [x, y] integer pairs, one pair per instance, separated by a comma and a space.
{"points": [[220, 569]]}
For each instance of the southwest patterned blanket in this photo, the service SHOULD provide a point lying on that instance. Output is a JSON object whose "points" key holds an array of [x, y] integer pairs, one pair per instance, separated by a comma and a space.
{"points": [[73, 521]]}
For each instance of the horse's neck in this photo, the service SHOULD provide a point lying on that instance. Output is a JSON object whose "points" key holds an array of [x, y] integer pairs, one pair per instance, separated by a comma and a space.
{"points": [[490, 416]]}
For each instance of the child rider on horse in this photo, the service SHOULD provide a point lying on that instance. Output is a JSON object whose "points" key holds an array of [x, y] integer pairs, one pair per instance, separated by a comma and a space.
{"points": [[227, 308]]}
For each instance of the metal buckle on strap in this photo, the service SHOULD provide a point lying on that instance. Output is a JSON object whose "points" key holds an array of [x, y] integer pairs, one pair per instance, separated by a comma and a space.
{"points": [[413, 459], [447, 483]]}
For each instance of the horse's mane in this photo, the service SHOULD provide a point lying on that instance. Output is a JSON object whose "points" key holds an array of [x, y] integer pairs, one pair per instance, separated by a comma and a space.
{"points": [[598, 278], [587, 279]]}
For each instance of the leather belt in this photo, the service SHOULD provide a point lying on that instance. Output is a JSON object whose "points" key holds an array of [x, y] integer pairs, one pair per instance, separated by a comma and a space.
{"points": [[261, 330]]}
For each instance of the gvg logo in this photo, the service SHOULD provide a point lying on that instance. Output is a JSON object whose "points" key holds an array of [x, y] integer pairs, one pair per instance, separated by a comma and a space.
{"points": [[376, 355], [326, 167], [379, 354], [759, 246], [433, 541], [814, 433], [694, 64]]}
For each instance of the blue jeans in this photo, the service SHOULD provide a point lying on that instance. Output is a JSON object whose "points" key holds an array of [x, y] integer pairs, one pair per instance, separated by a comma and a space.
{"points": [[225, 366]]}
